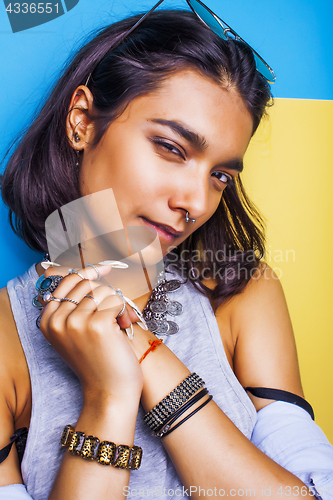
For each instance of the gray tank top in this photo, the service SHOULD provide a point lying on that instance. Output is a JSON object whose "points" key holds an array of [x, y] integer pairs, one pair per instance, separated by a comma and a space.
{"points": [[57, 396]]}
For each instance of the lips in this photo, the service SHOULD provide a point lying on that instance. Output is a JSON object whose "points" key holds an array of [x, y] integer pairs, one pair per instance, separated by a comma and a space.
{"points": [[164, 231]]}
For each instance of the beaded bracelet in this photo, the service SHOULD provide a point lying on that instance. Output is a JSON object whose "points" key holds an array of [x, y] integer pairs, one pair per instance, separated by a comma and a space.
{"points": [[157, 417], [105, 452], [168, 431], [162, 429]]}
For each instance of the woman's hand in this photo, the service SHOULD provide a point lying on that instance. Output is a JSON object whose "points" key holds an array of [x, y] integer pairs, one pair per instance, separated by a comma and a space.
{"points": [[89, 336]]}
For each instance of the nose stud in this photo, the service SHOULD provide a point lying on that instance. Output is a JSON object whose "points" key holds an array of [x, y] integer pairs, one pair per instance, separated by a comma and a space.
{"points": [[188, 219]]}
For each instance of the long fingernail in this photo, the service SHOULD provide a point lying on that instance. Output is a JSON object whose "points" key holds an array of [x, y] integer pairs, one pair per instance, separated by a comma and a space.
{"points": [[130, 332], [142, 324], [114, 263], [46, 264]]}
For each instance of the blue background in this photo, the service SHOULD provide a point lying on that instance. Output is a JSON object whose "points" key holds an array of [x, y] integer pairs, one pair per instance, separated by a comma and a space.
{"points": [[294, 36]]}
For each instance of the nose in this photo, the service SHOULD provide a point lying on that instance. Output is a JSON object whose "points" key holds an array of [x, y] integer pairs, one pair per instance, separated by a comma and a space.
{"points": [[191, 193]]}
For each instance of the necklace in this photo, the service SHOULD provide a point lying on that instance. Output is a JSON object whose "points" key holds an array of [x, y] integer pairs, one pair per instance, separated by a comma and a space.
{"points": [[159, 306]]}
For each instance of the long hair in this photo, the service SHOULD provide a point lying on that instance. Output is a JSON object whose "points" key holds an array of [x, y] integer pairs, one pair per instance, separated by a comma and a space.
{"points": [[41, 175]]}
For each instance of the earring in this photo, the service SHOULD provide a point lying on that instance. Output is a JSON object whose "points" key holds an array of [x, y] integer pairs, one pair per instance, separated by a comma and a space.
{"points": [[76, 137], [77, 164], [188, 219]]}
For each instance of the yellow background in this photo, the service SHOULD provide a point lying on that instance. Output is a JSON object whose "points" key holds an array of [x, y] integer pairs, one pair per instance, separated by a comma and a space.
{"points": [[289, 175]]}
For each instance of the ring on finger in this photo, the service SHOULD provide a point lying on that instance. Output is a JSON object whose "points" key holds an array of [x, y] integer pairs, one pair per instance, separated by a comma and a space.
{"points": [[48, 284], [92, 298], [120, 294], [95, 268], [48, 297], [73, 271], [66, 299]]}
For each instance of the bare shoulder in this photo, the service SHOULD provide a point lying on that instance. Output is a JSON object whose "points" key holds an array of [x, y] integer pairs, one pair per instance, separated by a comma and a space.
{"points": [[264, 345], [15, 399]]}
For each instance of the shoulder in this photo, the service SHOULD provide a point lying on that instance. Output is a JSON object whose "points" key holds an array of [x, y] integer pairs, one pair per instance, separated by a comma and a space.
{"points": [[13, 367], [13, 387], [264, 346]]}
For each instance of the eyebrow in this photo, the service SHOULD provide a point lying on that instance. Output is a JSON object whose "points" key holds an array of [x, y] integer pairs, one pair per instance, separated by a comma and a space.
{"points": [[196, 140]]}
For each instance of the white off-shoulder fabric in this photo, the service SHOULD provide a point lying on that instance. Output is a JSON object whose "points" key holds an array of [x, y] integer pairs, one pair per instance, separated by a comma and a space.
{"points": [[287, 434], [14, 492]]}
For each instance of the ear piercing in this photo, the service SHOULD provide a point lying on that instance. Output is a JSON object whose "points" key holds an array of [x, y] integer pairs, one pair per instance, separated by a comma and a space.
{"points": [[77, 137], [188, 219]]}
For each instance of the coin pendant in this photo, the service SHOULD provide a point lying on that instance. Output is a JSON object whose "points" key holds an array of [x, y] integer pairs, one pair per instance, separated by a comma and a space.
{"points": [[36, 303], [174, 308], [171, 286], [152, 325], [163, 327], [173, 328], [158, 307]]}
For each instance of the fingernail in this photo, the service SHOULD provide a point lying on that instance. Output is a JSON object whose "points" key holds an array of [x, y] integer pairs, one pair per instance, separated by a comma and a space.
{"points": [[114, 263], [142, 324], [46, 264], [130, 332]]}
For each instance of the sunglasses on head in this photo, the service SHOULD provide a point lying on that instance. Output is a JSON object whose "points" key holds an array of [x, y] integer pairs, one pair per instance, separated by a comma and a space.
{"points": [[217, 26], [221, 29]]}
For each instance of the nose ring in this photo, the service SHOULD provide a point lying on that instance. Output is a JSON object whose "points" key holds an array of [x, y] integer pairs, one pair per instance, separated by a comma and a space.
{"points": [[188, 219]]}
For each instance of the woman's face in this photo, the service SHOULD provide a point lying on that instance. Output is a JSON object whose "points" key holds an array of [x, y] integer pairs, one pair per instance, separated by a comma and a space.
{"points": [[171, 151]]}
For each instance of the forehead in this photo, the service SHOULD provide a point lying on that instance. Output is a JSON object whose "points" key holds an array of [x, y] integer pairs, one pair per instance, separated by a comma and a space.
{"points": [[199, 103]]}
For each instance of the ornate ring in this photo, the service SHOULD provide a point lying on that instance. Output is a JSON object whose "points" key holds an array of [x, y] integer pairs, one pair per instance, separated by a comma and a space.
{"points": [[120, 294], [65, 299], [72, 271], [48, 284], [48, 297], [92, 298], [95, 268]]}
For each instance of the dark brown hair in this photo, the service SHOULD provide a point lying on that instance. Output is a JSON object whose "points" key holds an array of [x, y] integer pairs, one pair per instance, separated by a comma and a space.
{"points": [[41, 175]]}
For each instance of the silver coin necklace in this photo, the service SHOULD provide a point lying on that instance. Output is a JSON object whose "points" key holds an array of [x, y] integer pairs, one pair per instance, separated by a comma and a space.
{"points": [[159, 306]]}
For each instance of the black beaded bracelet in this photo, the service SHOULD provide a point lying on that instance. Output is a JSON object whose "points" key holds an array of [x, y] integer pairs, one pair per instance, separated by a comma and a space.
{"points": [[161, 431], [158, 416], [188, 416], [105, 452]]}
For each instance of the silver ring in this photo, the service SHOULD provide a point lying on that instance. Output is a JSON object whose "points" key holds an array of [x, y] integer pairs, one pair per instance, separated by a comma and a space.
{"points": [[65, 299], [95, 268], [48, 297], [120, 294], [72, 271], [92, 298]]}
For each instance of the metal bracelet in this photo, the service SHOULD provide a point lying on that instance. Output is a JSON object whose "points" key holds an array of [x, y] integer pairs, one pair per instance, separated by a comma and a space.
{"points": [[158, 416]]}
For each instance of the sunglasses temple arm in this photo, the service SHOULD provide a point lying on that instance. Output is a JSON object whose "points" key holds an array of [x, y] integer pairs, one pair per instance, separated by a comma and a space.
{"points": [[143, 17]]}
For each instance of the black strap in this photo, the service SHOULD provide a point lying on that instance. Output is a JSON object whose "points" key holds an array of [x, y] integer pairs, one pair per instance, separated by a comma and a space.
{"points": [[20, 436], [279, 395]]}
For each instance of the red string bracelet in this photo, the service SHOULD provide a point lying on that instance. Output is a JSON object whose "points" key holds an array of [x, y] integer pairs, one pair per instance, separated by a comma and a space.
{"points": [[153, 345]]}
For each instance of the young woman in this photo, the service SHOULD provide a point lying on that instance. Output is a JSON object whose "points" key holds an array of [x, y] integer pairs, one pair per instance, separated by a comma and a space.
{"points": [[160, 119]]}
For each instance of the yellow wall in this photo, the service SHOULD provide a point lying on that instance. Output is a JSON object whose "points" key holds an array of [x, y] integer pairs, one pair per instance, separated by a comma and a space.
{"points": [[289, 175]]}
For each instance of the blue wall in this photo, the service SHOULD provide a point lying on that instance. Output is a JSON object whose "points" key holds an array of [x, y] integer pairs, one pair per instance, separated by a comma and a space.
{"points": [[294, 36]]}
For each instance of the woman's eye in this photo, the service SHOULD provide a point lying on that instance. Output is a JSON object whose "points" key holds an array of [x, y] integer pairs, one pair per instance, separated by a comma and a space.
{"points": [[221, 176], [169, 148]]}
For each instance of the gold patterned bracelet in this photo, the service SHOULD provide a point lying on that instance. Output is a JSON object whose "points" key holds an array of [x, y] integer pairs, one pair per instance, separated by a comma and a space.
{"points": [[105, 452]]}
